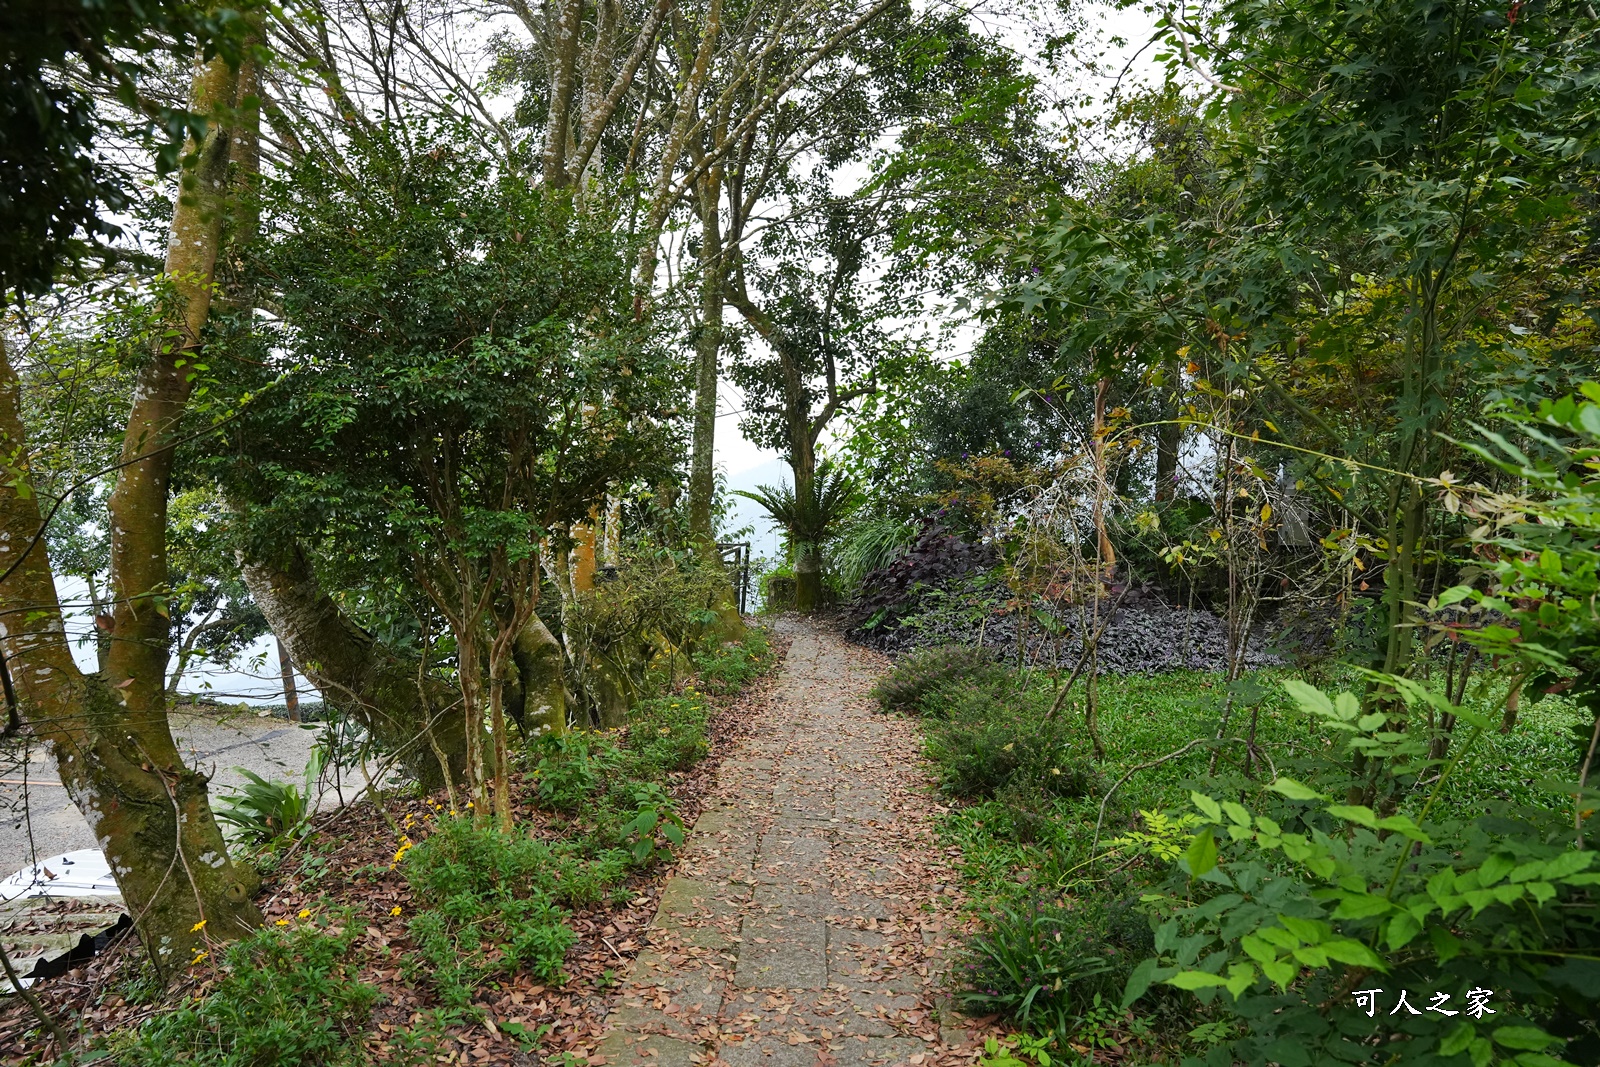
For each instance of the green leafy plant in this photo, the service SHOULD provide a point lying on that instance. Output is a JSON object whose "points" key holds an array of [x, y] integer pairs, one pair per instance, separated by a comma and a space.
{"points": [[1295, 915], [570, 770], [1017, 1050], [487, 906], [265, 812], [727, 670], [665, 734], [1039, 967], [286, 998], [639, 626], [813, 515], [1164, 836], [923, 672], [1537, 575], [654, 822], [1103, 1025]]}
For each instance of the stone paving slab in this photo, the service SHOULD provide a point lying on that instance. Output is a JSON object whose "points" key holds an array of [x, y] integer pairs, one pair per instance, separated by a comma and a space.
{"points": [[796, 930]]}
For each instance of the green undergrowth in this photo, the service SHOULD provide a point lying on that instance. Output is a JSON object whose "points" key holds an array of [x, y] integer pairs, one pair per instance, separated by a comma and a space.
{"points": [[491, 904], [288, 997], [485, 904], [1071, 862]]}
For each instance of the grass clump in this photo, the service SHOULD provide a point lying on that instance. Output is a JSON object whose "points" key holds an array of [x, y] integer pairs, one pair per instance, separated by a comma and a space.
{"points": [[1046, 967], [288, 998], [922, 674]]}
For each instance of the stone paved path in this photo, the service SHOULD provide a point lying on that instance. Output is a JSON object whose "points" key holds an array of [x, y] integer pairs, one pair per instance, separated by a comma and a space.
{"points": [[803, 924]]}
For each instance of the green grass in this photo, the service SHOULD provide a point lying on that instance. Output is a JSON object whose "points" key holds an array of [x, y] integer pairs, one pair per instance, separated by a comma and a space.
{"points": [[1143, 718]]}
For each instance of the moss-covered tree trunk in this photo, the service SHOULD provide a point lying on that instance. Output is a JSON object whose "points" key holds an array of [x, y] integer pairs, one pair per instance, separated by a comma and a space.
{"points": [[117, 760], [109, 733], [406, 713], [539, 699]]}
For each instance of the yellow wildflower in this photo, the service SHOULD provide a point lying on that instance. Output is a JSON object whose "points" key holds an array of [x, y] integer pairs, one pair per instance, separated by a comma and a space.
{"points": [[197, 927], [395, 910], [305, 913]]}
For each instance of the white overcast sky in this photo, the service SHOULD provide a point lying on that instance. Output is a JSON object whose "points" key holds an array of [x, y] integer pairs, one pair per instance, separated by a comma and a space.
{"points": [[1119, 37]]}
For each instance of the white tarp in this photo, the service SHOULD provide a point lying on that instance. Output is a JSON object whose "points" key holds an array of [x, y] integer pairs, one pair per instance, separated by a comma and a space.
{"points": [[54, 908], [83, 873]]}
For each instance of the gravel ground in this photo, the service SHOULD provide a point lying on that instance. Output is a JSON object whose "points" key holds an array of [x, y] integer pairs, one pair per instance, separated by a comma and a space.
{"points": [[1147, 636], [38, 821]]}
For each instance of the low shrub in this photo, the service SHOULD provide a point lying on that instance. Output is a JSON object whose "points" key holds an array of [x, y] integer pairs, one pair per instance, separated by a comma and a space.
{"points": [[487, 906], [571, 769], [921, 674], [288, 998], [991, 741], [726, 670]]}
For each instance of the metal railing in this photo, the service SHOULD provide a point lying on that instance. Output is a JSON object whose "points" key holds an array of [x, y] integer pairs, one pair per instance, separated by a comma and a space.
{"points": [[736, 557]]}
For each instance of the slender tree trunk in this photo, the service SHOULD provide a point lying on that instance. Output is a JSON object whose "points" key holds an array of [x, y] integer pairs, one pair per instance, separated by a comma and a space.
{"points": [[1108, 555], [1508, 721], [1169, 438], [468, 676], [102, 622], [702, 473], [708, 345], [291, 695], [500, 763], [118, 763], [186, 655], [596, 78], [136, 662], [685, 110]]}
